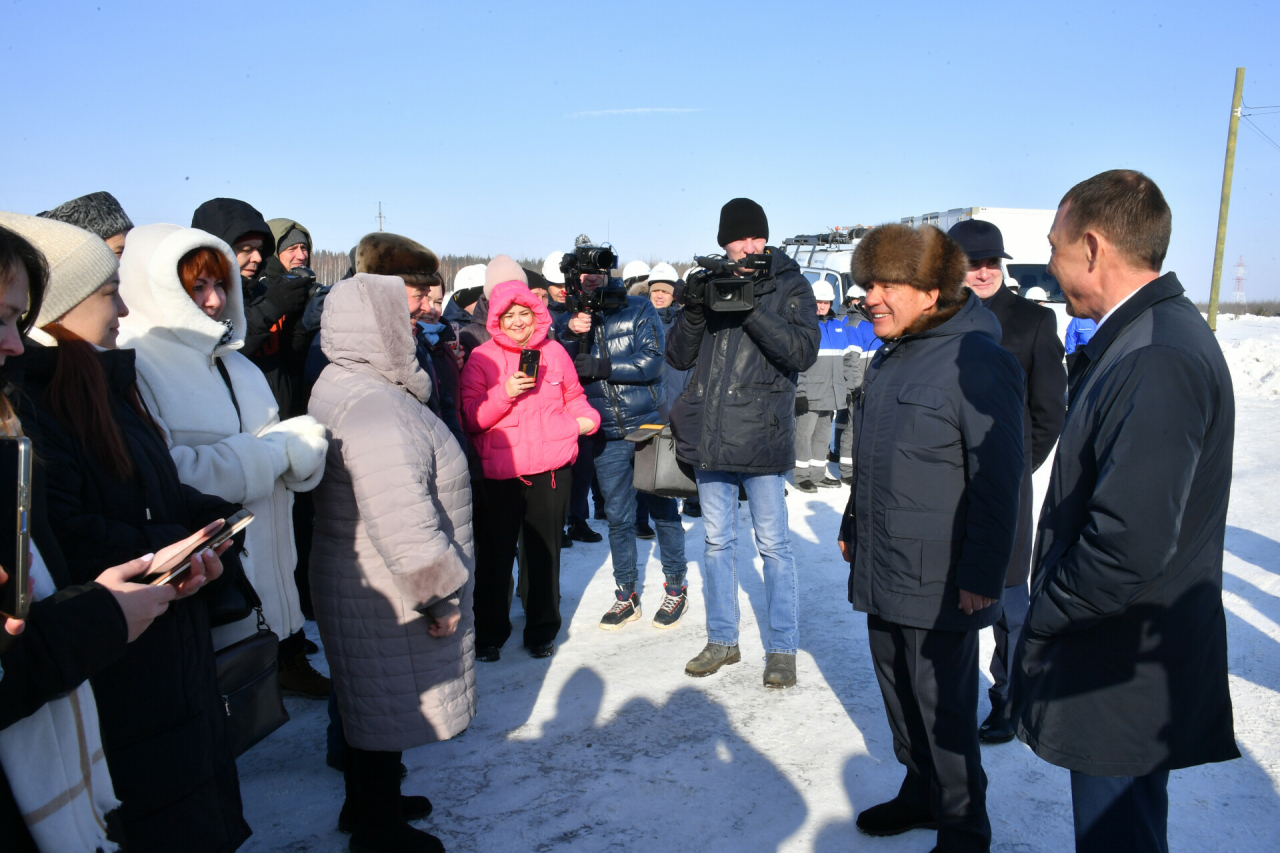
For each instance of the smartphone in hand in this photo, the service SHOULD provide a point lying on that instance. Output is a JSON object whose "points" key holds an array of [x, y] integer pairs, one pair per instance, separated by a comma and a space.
{"points": [[529, 361], [175, 567], [15, 534]]}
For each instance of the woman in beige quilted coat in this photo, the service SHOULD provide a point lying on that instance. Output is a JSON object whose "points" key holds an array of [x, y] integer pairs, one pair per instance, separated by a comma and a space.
{"points": [[392, 564]]}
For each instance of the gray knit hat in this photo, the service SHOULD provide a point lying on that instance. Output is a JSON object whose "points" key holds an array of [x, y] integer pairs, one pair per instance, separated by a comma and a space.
{"points": [[98, 213], [293, 238], [79, 262]]}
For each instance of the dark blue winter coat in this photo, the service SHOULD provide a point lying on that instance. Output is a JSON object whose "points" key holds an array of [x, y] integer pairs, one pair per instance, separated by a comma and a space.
{"points": [[1122, 667], [673, 381], [738, 412], [633, 339], [937, 462]]}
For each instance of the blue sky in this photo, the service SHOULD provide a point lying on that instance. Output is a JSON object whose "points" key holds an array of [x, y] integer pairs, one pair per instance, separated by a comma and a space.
{"points": [[495, 127]]}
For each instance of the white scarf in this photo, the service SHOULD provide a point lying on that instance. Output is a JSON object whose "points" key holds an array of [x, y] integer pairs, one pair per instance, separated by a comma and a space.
{"points": [[55, 765]]}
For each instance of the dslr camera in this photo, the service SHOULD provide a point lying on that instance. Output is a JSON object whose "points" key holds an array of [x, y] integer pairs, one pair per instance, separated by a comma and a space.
{"points": [[728, 290], [590, 260]]}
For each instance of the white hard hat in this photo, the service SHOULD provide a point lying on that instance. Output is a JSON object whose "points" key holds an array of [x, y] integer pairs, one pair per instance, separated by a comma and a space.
{"points": [[691, 270], [823, 291], [1036, 294], [635, 269], [551, 268], [472, 276], [663, 272]]}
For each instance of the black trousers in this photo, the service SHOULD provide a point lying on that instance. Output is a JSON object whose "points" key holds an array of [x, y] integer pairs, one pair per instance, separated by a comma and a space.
{"points": [[535, 505], [929, 680]]}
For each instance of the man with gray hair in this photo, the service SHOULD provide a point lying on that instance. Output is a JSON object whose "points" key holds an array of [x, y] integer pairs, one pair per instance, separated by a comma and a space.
{"points": [[1121, 672]]}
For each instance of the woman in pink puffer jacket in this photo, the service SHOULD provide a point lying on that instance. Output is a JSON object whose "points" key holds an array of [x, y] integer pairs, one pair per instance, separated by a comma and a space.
{"points": [[525, 430]]}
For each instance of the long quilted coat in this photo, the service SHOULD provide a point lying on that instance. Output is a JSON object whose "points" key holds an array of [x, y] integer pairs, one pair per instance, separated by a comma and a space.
{"points": [[392, 547]]}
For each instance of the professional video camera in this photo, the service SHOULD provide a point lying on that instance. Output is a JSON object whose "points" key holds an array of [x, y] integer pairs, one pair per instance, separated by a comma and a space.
{"points": [[727, 289], [590, 260]]}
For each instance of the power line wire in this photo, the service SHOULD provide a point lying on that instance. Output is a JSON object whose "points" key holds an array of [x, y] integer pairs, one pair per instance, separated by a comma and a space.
{"points": [[1268, 107], [1274, 144]]}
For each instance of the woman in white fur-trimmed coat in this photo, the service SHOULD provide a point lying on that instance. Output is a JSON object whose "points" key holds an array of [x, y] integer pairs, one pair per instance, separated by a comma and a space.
{"points": [[186, 322]]}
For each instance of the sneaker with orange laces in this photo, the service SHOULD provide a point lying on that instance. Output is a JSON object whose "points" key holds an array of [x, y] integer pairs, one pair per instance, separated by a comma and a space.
{"points": [[674, 603]]}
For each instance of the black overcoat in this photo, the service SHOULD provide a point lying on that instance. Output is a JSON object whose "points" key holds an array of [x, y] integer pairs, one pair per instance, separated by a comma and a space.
{"points": [[937, 459], [738, 411], [1122, 666], [1030, 332], [160, 710]]}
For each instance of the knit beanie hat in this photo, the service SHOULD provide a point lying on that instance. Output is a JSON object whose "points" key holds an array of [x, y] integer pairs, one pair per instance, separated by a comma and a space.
{"points": [[79, 262], [500, 269], [741, 218], [536, 279], [98, 213], [293, 238]]}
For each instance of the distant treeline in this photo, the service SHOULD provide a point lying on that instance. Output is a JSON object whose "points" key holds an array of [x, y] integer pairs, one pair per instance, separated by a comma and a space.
{"points": [[1261, 308], [330, 266]]}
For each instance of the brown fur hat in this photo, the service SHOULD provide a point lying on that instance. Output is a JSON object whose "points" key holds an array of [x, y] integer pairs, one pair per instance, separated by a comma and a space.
{"points": [[924, 258], [381, 253]]}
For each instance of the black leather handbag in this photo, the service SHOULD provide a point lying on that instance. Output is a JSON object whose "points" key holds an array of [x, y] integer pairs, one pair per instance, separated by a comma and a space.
{"points": [[657, 469], [249, 681]]}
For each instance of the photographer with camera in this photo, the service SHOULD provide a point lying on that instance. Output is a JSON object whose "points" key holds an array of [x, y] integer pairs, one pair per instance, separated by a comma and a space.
{"points": [[617, 342], [746, 337]]}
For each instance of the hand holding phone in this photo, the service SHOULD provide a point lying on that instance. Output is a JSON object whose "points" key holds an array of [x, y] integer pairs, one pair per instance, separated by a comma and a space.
{"points": [[529, 361], [172, 562]]}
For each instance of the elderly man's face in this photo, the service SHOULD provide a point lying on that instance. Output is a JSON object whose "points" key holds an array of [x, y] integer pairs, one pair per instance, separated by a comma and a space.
{"points": [[895, 307]]}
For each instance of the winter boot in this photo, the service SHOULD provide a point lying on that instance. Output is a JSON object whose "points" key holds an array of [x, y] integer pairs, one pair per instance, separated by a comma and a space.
{"points": [[711, 658], [805, 486], [376, 812], [299, 678], [692, 508], [644, 531], [828, 482], [780, 670], [489, 654], [625, 609], [909, 810], [580, 530], [996, 728]]}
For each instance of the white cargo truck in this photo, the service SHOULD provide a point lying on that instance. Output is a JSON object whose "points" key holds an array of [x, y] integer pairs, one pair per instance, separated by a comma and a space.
{"points": [[1026, 237]]}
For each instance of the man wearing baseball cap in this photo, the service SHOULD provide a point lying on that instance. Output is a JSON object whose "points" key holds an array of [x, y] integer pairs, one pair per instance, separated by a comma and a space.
{"points": [[1030, 332]]}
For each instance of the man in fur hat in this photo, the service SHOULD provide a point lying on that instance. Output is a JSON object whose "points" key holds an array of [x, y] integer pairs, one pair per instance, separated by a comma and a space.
{"points": [[937, 463]]}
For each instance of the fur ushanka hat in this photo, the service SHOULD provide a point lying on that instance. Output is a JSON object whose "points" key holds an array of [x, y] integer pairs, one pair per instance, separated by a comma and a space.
{"points": [[924, 258], [381, 253]]}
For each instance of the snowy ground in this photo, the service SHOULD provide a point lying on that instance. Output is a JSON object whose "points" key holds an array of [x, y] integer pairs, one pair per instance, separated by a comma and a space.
{"points": [[608, 745]]}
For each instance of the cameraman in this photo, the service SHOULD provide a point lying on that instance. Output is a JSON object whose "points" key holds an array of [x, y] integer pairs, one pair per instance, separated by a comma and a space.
{"points": [[617, 344], [735, 424]]}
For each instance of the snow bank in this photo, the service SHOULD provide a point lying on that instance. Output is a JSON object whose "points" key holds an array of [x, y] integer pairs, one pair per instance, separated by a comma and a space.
{"points": [[1255, 366]]}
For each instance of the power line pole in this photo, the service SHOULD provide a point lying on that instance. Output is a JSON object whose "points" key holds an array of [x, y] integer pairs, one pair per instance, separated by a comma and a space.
{"points": [[381, 218], [1227, 171]]}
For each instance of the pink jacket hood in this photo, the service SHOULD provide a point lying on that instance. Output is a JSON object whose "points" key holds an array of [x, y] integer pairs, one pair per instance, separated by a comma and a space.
{"points": [[517, 292]]}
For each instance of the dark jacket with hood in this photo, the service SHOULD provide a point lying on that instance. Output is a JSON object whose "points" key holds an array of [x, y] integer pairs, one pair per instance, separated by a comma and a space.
{"points": [[738, 411], [1030, 332], [161, 712], [629, 340], [673, 381], [273, 301], [937, 459], [474, 332], [1122, 667], [70, 637]]}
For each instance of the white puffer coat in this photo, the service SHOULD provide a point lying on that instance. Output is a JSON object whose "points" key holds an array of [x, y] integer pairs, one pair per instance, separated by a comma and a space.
{"points": [[248, 457], [392, 548]]}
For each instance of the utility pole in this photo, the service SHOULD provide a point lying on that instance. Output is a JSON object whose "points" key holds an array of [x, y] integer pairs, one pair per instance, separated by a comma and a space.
{"points": [[381, 218], [1227, 171]]}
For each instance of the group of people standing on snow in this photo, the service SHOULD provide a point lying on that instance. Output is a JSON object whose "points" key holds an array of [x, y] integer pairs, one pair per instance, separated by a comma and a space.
{"points": [[399, 455]]}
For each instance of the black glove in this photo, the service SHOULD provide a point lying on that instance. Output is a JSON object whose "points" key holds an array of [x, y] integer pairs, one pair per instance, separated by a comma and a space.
{"points": [[289, 293], [695, 289], [590, 367], [802, 404]]}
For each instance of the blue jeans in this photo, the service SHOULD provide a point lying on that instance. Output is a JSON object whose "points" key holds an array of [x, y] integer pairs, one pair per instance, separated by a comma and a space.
{"points": [[718, 494], [613, 461], [1121, 814]]}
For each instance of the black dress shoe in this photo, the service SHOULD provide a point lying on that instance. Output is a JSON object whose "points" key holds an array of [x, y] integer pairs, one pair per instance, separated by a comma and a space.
{"points": [[644, 532], [565, 541], [581, 531], [995, 728], [542, 650], [489, 654], [894, 818]]}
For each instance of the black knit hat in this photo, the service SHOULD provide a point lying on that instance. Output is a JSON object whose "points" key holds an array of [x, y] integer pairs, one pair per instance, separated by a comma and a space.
{"points": [[741, 218], [98, 213]]}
